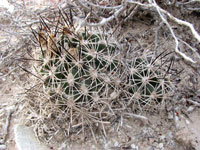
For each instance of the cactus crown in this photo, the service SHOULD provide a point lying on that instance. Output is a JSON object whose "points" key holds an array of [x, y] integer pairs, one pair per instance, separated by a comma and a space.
{"points": [[83, 66]]}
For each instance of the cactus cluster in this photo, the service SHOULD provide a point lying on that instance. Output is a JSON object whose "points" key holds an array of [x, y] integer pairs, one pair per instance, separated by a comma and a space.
{"points": [[87, 78]]}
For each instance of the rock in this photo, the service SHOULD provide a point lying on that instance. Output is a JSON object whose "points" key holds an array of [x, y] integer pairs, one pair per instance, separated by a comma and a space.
{"points": [[2, 147], [116, 144], [26, 140]]}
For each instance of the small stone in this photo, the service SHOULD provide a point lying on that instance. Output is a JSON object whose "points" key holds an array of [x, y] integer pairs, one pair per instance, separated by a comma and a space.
{"points": [[2, 147], [190, 109], [187, 121], [176, 118], [63, 146], [170, 134], [170, 116], [116, 143], [1, 140], [107, 145], [161, 145], [26, 140], [162, 137], [93, 147], [134, 146]]}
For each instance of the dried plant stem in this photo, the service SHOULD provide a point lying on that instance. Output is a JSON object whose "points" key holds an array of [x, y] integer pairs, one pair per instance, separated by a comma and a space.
{"points": [[174, 36], [141, 118], [10, 111], [103, 7], [194, 103], [179, 21], [103, 21], [151, 4]]}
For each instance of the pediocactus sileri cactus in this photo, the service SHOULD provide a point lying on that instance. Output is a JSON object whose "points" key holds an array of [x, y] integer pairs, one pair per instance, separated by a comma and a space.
{"points": [[84, 67], [86, 79]]}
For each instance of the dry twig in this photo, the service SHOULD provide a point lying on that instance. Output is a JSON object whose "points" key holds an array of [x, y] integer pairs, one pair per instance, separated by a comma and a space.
{"points": [[151, 4]]}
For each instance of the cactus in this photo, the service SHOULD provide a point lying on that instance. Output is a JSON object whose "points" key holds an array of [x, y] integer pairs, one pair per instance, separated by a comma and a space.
{"points": [[146, 85], [84, 69], [86, 79], [91, 70]]}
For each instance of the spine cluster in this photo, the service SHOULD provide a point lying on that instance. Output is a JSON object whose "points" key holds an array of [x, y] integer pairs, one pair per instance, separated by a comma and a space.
{"points": [[87, 67], [87, 80]]}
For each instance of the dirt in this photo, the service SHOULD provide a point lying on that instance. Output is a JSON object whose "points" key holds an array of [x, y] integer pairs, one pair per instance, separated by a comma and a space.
{"points": [[162, 132], [188, 136]]}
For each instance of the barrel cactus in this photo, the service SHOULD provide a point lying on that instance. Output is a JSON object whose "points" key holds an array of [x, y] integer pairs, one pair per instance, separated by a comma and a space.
{"points": [[81, 76], [84, 69], [147, 85], [86, 81]]}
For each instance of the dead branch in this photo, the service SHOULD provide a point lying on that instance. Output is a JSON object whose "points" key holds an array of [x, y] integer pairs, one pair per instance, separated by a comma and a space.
{"points": [[194, 103], [151, 4]]}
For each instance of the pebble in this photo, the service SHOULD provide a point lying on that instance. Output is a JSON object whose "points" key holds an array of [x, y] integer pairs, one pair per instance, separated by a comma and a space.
{"points": [[176, 118], [190, 109], [2, 147], [134, 146], [93, 147], [187, 121], [162, 137], [170, 116], [26, 140], [116, 144], [161, 145]]}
